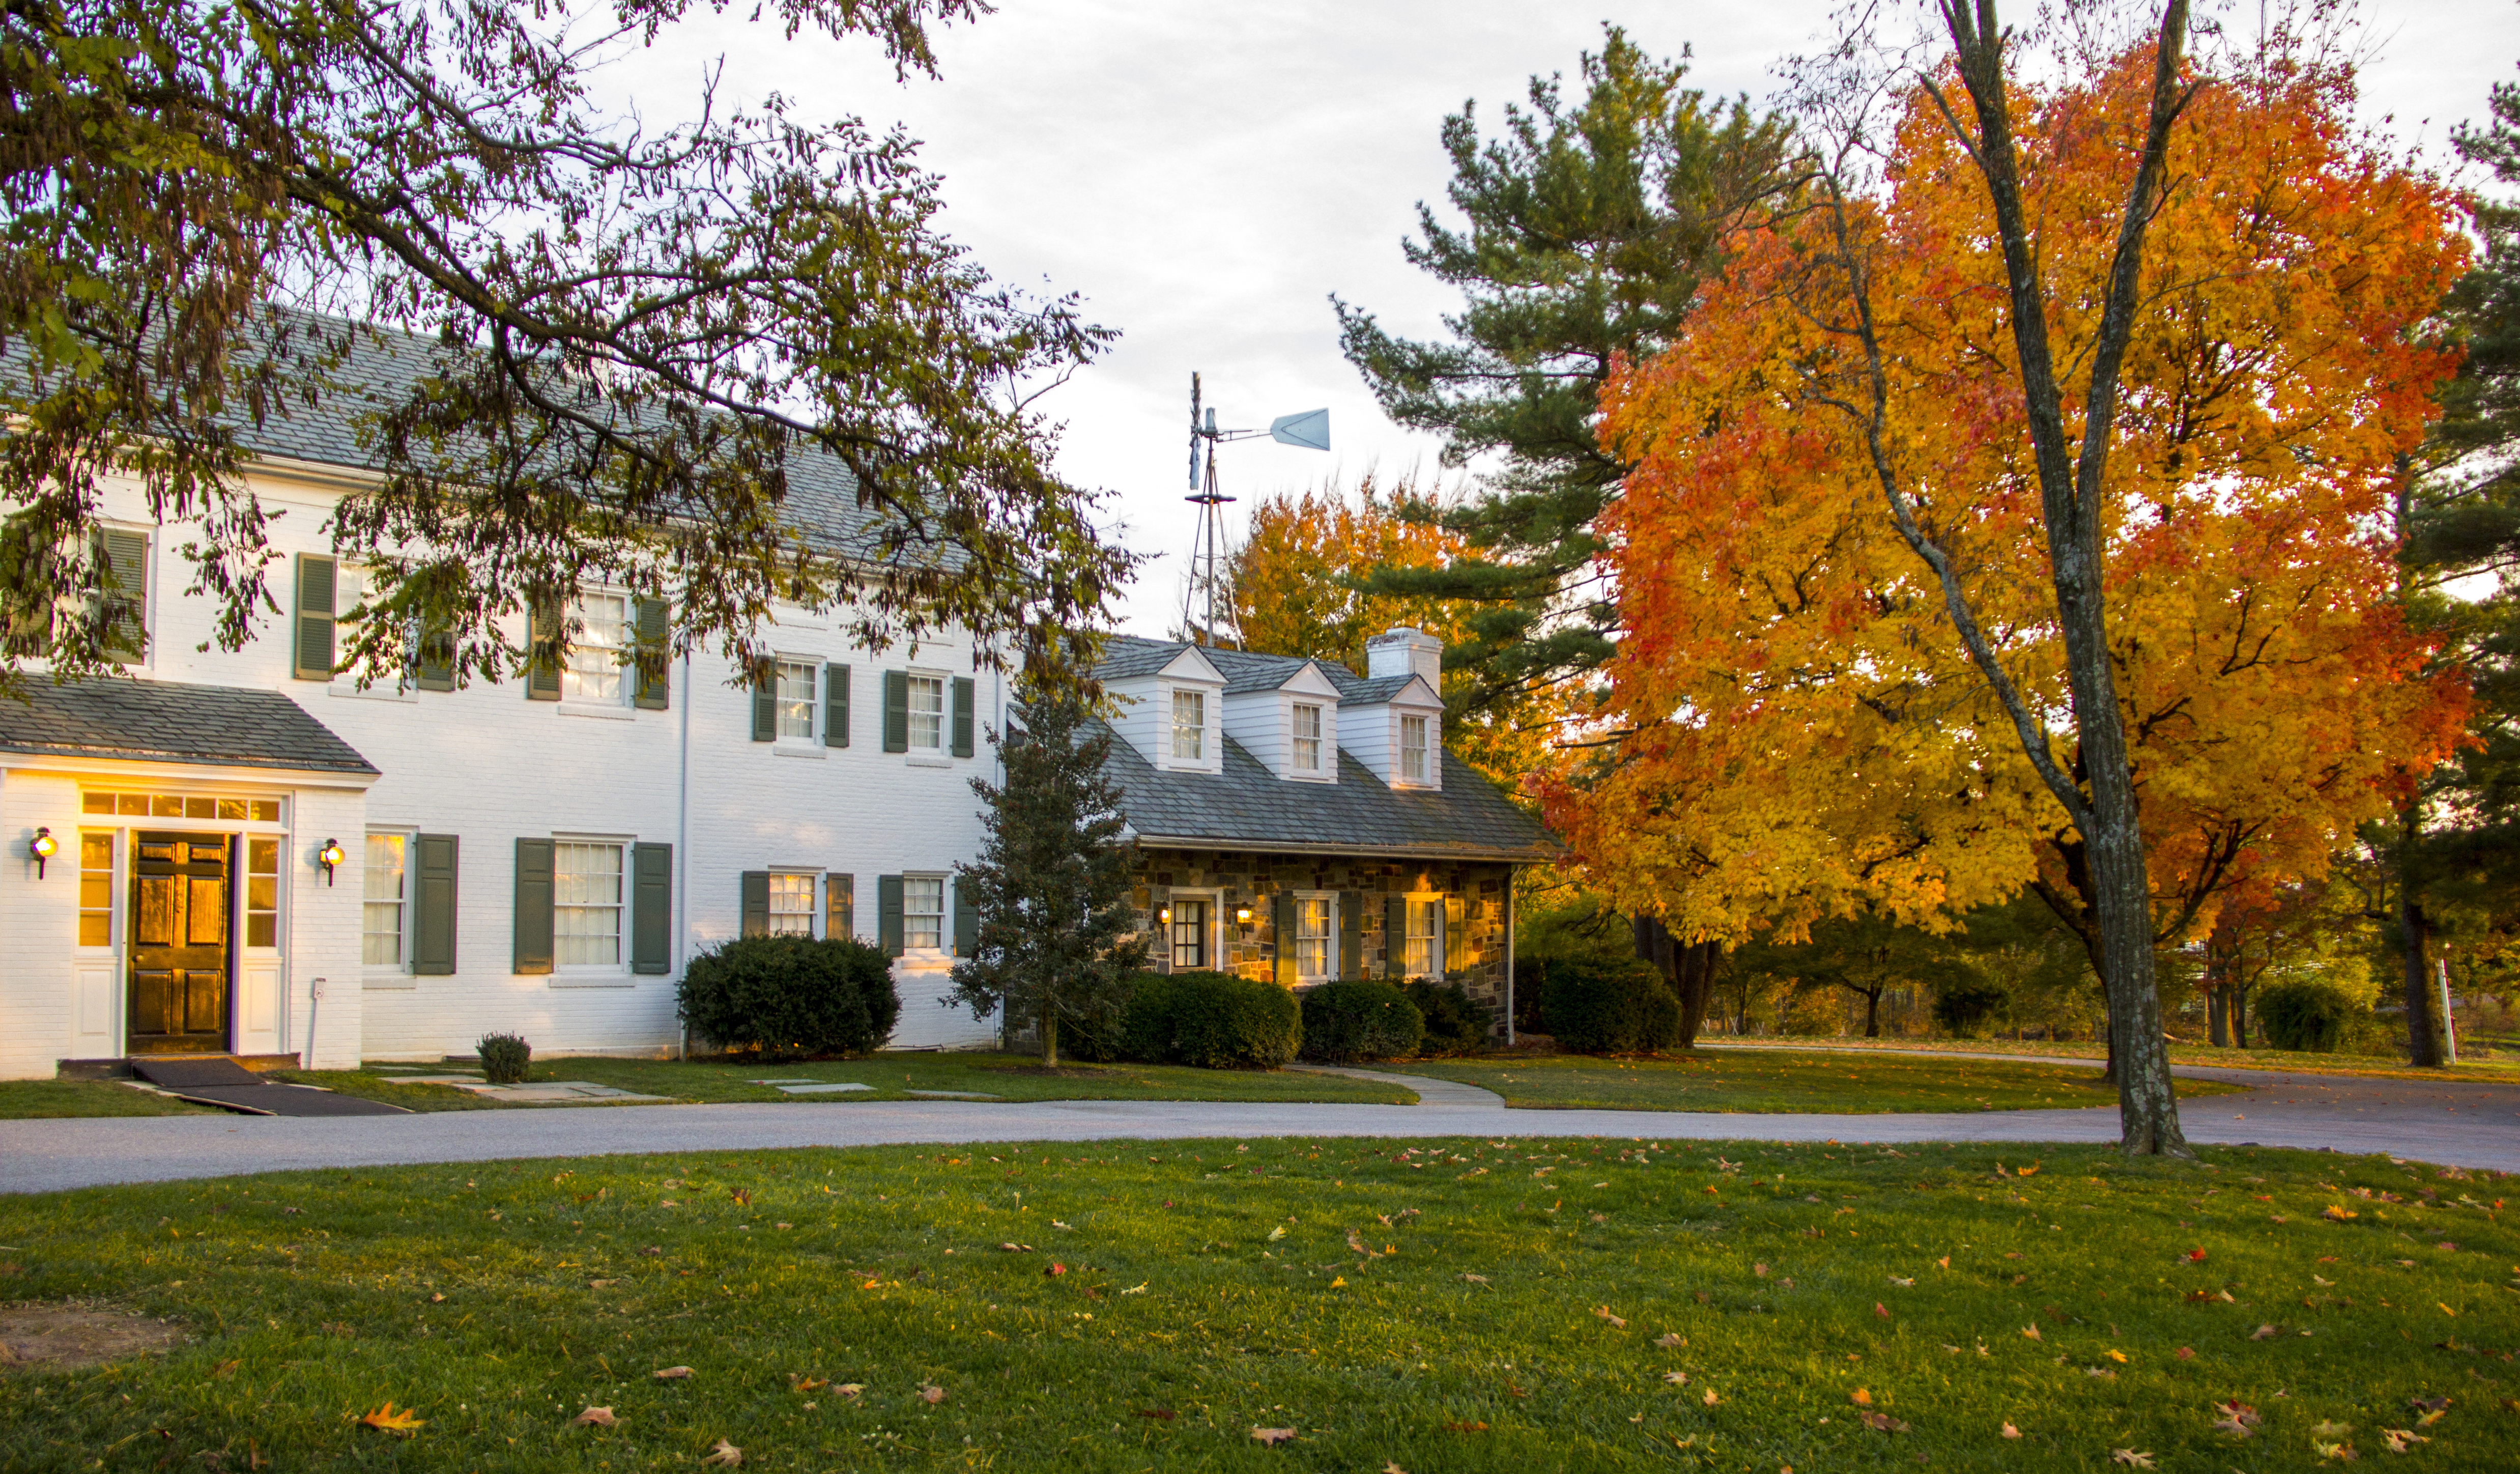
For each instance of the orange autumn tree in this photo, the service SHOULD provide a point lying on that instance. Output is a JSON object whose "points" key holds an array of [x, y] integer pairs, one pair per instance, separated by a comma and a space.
{"points": [[1801, 728]]}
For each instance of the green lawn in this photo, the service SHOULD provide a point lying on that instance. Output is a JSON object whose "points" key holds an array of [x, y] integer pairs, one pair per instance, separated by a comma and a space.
{"points": [[1452, 1306], [2502, 1066], [41, 1100], [1764, 1079]]}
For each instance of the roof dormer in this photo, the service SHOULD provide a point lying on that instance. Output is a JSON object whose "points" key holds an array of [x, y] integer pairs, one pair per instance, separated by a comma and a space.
{"points": [[1174, 713], [1394, 724], [1288, 716]]}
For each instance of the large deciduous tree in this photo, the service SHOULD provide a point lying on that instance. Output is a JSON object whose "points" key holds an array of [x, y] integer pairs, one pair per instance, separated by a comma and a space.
{"points": [[2015, 514], [625, 339]]}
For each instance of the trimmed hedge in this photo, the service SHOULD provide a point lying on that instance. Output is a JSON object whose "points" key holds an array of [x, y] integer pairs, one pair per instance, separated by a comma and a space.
{"points": [[2306, 1016], [1455, 1021], [1216, 1020], [1610, 1006], [504, 1058], [790, 997], [1360, 1019]]}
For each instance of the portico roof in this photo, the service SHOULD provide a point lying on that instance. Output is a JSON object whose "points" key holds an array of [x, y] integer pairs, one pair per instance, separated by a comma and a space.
{"points": [[124, 720]]}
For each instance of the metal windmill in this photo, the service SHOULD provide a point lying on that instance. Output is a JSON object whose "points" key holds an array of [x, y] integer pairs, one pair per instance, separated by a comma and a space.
{"points": [[1310, 430]]}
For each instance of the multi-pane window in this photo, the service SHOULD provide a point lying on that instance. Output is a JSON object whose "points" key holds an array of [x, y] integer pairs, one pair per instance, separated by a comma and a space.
{"points": [[380, 926], [586, 904], [595, 670], [1190, 934], [1308, 738], [181, 806], [1313, 937], [923, 913], [926, 713], [1425, 955], [1189, 726], [796, 699], [1412, 749], [261, 889], [792, 904], [96, 888]]}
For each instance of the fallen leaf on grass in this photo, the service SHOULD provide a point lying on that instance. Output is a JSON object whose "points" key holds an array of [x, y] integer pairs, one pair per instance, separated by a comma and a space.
{"points": [[1135, 1289], [849, 1388], [1670, 1339], [1880, 1310], [1676, 1378], [1338, 1281], [594, 1417], [931, 1393], [2031, 1333], [1476, 1279], [2336, 1214], [2429, 1404], [2131, 1457], [1711, 1399], [807, 1384], [1274, 1234], [1054, 1271], [1617, 1322], [1860, 1397], [1272, 1437], [1760, 1271], [401, 1424], [2185, 1354], [1465, 1427], [2401, 1440], [1016, 1248], [1882, 1422], [2233, 1426], [1165, 1414], [725, 1455], [2237, 1412], [224, 1369], [2010, 1431], [672, 1373], [2118, 1357], [1904, 1284], [601, 1284]]}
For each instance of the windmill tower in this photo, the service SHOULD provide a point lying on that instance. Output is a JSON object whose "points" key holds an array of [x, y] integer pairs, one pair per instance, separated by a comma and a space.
{"points": [[1207, 606]]}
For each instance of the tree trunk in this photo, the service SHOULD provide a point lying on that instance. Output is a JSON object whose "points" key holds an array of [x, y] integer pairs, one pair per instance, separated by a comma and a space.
{"points": [[2241, 1015], [1872, 1014], [2217, 1003], [1694, 983], [1050, 1036], [2423, 1031]]}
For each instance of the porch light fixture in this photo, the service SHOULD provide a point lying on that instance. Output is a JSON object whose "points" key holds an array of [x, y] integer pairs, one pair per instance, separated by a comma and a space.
{"points": [[1242, 915], [1165, 916], [328, 857], [41, 847]]}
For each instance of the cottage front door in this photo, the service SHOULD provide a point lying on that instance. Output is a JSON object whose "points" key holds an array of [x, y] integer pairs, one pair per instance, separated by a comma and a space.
{"points": [[180, 901]]}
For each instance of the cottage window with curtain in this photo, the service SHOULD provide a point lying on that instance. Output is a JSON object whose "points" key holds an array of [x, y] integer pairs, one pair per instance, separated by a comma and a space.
{"points": [[1189, 726], [796, 704], [1412, 749], [1313, 937], [792, 904], [387, 888], [1308, 738], [1425, 955], [586, 905], [595, 672], [923, 913], [926, 713]]}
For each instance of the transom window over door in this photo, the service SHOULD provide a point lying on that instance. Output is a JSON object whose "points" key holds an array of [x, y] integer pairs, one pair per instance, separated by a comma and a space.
{"points": [[792, 904], [586, 905], [388, 887], [923, 913], [796, 699], [1190, 934], [1308, 738], [595, 670], [1313, 937], [926, 715], [1189, 726]]}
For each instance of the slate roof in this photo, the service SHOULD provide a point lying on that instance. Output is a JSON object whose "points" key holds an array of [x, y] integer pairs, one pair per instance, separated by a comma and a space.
{"points": [[167, 721], [1127, 655], [1248, 807]]}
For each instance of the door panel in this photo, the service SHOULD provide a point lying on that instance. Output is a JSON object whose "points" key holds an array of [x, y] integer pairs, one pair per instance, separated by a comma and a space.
{"points": [[180, 930]]}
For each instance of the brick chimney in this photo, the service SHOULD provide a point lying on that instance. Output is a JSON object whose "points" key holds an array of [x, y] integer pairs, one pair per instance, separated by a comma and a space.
{"points": [[1404, 651]]}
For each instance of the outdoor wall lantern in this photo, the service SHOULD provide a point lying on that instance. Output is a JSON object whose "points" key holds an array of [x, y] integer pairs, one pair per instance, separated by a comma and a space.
{"points": [[1242, 915], [41, 847], [1165, 916], [328, 857]]}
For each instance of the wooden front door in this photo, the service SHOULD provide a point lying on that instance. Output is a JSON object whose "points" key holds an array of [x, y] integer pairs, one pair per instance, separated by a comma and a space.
{"points": [[179, 944]]}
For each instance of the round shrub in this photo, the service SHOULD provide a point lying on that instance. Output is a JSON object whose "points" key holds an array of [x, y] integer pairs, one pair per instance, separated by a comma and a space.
{"points": [[1610, 1006], [1360, 1019], [504, 1058], [2306, 1016], [1222, 1022], [1142, 1031], [1963, 1010], [1455, 1021], [790, 997]]}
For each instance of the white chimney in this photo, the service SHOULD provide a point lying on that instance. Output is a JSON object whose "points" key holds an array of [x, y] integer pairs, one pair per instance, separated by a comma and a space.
{"points": [[1402, 651]]}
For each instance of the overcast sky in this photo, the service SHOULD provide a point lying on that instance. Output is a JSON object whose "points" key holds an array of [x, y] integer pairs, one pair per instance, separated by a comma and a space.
{"points": [[1206, 174]]}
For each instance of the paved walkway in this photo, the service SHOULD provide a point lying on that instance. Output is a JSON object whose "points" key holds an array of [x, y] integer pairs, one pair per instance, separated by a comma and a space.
{"points": [[2473, 1126]]}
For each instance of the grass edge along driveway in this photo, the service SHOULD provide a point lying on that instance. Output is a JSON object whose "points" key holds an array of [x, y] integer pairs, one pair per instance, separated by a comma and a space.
{"points": [[1775, 1080]]}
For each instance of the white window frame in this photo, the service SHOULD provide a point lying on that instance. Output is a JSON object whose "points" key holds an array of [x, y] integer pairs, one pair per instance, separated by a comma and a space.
{"points": [[944, 914], [813, 883], [349, 586], [1197, 731], [620, 908], [148, 657], [943, 715], [1211, 942], [402, 907], [809, 743], [583, 663], [1423, 751], [1327, 941], [117, 841], [1296, 737], [1429, 908]]}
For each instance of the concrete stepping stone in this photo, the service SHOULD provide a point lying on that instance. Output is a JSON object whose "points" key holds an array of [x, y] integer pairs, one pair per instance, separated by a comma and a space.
{"points": [[952, 1096], [811, 1087]]}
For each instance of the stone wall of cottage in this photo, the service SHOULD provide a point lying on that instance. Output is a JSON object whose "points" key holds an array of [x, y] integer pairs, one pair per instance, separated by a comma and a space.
{"points": [[1476, 958]]}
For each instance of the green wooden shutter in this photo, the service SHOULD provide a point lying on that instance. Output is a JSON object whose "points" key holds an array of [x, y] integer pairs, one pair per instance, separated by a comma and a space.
{"points": [[1457, 934], [765, 703], [1395, 936], [433, 915], [534, 905], [841, 907], [1282, 923], [124, 583], [835, 705], [651, 669], [436, 663], [896, 710], [542, 668], [963, 692], [756, 903], [1351, 926], [888, 913], [317, 582], [966, 919], [651, 908]]}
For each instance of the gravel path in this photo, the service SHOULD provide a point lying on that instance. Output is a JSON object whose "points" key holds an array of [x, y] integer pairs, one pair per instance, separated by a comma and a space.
{"points": [[2473, 1126]]}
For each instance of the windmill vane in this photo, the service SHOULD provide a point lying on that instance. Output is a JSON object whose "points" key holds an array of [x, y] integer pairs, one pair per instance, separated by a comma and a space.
{"points": [[1310, 430]]}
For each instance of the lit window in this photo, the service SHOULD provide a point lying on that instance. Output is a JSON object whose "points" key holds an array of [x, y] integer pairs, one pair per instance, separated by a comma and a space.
{"points": [[926, 712], [1189, 726], [181, 806], [96, 888], [1190, 934], [595, 670], [1412, 749], [792, 904], [1313, 937], [586, 905], [380, 926], [797, 698], [1425, 935], [923, 913], [262, 890], [1308, 738]]}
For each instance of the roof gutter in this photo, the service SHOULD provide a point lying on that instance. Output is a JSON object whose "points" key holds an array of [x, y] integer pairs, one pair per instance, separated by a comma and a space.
{"points": [[1378, 851]]}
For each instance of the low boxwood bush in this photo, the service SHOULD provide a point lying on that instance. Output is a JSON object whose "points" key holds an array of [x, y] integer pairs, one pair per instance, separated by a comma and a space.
{"points": [[2307, 1016], [1455, 1021], [790, 997], [1216, 1020], [1360, 1019], [504, 1058], [1610, 1006]]}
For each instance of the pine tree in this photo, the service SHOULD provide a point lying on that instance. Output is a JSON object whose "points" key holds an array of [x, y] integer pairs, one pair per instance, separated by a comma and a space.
{"points": [[1058, 935]]}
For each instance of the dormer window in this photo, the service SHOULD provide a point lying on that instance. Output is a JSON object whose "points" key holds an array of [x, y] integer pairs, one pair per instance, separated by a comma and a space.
{"points": [[1189, 726], [1412, 749], [1308, 738]]}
